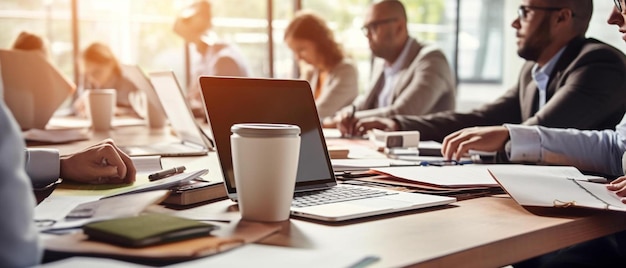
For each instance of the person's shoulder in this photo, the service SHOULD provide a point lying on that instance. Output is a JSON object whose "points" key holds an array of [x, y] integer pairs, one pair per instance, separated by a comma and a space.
{"points": [[345, 65], [427, 48], [596, 47], [224, 49], [421, 51]]}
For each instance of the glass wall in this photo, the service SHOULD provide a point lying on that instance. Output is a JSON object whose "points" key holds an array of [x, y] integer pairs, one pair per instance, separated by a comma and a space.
{"points": [[480, 41], [140, 31]]}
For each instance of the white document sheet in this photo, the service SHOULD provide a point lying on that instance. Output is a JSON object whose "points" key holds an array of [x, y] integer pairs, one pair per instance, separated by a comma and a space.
{"points": [[556, 187], [447, 176], [476, 174]]}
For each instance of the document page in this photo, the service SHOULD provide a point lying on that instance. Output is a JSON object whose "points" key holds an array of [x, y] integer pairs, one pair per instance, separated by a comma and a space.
{"points": [[549, 186], [609, 197], [449, 176]]}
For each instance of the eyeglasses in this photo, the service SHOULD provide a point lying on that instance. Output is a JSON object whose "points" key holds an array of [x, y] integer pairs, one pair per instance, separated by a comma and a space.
{"points": [[522, 11], [618, 4], [373, 26]]}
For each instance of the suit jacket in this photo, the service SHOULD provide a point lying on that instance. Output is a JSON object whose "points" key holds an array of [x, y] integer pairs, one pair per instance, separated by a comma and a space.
{"points": [[586, 90], [340, 88], [425, 85]]}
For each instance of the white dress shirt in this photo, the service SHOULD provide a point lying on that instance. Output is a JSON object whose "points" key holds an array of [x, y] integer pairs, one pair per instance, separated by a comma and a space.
{"points": [[391, 76], [542, 76], [588, 150]]}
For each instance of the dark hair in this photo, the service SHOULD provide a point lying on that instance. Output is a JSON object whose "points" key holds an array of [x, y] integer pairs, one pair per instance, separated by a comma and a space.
{"points": [[311, 27], [101, 54]]}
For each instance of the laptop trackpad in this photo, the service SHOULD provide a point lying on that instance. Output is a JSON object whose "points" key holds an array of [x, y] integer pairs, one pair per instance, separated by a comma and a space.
{"points": [[381, 203], [354, 207]]}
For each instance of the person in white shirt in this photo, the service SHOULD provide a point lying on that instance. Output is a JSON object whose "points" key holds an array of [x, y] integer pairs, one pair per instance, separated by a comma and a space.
{"points": [[218, 58]]}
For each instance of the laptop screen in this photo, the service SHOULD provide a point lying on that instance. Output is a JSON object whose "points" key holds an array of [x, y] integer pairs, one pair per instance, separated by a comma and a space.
{"points": [[230, 101], [175, 106], [139, 78]]}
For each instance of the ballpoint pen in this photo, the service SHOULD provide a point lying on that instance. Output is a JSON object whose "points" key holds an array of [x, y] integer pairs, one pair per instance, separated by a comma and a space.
{"points": [[166, 173]]}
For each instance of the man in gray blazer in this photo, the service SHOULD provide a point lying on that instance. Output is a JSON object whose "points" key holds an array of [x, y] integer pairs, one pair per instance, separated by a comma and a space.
{"points": [[408, 77], [567, 81]]}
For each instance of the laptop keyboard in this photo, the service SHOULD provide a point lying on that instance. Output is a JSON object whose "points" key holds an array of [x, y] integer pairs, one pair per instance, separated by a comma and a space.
{"points": [[334, 195]]}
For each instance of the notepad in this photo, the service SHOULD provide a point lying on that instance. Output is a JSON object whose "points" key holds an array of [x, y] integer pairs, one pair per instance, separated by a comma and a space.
{"points": [[145, 230]]}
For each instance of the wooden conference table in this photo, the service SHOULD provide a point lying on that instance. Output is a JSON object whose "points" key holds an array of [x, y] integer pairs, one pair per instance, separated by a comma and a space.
{"points": [[482, 232]]}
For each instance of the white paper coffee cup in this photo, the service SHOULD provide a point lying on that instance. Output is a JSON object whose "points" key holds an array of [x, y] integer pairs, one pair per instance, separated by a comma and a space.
{"points": [[265, 165], [101, 108]]}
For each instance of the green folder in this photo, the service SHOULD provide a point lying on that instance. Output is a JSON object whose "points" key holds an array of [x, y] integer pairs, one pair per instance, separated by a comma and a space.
{"points": [[146, 229]]}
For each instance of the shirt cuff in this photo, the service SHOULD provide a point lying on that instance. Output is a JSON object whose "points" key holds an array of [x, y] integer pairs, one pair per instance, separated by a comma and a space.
{"points": [[42, 166], [525, 143]]}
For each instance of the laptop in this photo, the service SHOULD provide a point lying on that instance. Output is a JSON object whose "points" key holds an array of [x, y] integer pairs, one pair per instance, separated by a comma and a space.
{"points": [[230, 100], [192, 141], [33, 88], [138, 77]]}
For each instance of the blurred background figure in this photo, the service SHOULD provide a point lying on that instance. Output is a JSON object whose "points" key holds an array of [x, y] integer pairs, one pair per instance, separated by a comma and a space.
{"points": [[101, 71], [408, 76], [333, 77], [217, 58], [31, 42]]}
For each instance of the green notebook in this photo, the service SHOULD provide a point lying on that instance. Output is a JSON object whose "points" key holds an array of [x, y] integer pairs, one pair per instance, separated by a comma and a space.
{"points": [[145, 230]]}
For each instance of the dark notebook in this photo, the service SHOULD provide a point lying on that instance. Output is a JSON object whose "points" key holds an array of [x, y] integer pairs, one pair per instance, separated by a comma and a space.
{"points": [[145, 230]]}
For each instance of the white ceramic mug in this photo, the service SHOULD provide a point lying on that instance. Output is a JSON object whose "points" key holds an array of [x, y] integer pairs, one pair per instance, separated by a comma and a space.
{"points": [[265, 165], [101, 108]]}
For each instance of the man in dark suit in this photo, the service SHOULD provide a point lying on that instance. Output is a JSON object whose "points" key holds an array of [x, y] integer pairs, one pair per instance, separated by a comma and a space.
{"points": [[567, 81]]}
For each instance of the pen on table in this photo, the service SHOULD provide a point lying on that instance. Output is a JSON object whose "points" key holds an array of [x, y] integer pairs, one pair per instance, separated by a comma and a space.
{"points": [[165, 173]]}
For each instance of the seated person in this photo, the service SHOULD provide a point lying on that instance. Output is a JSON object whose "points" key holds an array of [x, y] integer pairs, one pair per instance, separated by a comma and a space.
{"points": [[101, 71], [597, 151], [194, 25], [101, 163], [567, 81], [31, 42], [408, 77], [333, 78]]}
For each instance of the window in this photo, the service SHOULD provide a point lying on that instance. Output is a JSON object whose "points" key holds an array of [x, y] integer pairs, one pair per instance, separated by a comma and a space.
{"points": [[138, 32], [480, 41], [48, 19]]}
